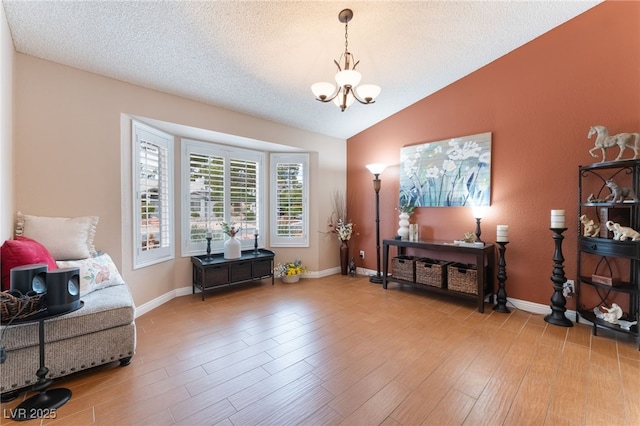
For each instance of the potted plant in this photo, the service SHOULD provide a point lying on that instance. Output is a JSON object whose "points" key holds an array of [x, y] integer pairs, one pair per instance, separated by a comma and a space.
{"points": [[407, 206], [290, 272]]}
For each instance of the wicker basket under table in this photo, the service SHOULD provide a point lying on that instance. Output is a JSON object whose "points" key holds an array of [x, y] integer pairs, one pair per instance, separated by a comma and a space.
{"points": [[431, 272], [404, 268], [462, 278]]}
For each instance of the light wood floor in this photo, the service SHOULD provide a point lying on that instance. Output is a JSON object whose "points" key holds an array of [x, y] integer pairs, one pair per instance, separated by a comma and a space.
{"points": [[340, 350]]}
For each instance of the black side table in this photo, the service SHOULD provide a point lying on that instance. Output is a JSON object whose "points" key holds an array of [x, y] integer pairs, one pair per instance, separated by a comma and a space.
{"points": [[46, 401]]}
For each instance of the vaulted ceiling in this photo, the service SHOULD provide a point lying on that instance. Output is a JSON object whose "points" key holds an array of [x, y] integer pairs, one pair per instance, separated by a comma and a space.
{"points": [[261, 57]]}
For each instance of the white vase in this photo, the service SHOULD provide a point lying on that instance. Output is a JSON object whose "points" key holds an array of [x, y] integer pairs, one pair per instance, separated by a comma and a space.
{"points": [[403, 231], [232, 248]]}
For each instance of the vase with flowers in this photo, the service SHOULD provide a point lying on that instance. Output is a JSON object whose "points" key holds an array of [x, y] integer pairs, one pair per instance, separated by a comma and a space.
{"points": [[339, 225], [231, 245], [290, 272]]}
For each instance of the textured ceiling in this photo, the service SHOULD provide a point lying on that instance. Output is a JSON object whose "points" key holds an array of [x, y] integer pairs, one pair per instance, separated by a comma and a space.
{"points": [[261, 57]]}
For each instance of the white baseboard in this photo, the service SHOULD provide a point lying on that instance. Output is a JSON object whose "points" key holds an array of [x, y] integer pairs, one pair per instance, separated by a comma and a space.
{"points": [[537, 308], [523, 305], [161, 300]]}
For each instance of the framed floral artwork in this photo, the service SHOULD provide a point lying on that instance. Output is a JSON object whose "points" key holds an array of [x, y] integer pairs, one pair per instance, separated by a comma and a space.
{"points": [[448, 173]]}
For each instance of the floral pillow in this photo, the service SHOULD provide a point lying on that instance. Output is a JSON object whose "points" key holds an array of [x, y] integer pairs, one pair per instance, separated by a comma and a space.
{"points": [[95, 272]]}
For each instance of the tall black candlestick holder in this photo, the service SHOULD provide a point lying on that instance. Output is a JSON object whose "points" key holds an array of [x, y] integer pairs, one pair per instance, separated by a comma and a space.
{"points": [[558, 301], [255, 244], [208, 247], [501, 295]]}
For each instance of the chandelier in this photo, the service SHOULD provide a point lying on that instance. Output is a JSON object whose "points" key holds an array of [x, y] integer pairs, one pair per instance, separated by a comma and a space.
{"points": [[347, 78]]}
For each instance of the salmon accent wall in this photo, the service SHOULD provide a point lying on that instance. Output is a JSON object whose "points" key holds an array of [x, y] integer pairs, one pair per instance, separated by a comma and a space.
{"points": [[538, 102]]}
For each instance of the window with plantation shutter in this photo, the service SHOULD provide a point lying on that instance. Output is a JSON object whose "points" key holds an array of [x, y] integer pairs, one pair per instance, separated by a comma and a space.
{"points": [[289, 195], [153, 195], [223, 184]]}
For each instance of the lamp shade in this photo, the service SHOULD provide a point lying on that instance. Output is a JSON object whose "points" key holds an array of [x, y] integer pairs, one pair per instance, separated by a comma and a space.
{"points": [[348, 78], [322, 90], [368, 92], [479, 211], [376, 168]]}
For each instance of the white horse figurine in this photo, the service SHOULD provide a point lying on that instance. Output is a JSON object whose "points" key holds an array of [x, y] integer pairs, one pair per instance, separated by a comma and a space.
{"points": [[604, 141]]}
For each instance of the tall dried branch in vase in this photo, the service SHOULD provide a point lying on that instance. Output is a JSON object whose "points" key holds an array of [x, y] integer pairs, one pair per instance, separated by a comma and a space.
{"points": [[339, 223]]}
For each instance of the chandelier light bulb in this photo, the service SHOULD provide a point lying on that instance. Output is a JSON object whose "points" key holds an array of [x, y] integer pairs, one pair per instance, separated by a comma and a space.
{"points": [[322, 90], [348, 78], [368, 92], [340, 98]]}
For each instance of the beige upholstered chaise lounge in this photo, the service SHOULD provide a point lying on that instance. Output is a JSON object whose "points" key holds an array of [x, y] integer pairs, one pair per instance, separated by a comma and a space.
{"points": [[100, 332]]}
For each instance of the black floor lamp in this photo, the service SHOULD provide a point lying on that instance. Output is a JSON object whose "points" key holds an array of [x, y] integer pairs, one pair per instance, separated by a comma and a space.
{"points": [[377, 169]]}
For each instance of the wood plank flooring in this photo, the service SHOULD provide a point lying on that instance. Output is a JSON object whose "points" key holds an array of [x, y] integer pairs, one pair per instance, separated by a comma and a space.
{"points": [[340, 350]]}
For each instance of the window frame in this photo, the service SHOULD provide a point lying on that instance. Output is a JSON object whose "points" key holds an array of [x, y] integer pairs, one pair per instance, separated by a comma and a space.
{"points": [[190, 146], [165, 143], [274, 238]]}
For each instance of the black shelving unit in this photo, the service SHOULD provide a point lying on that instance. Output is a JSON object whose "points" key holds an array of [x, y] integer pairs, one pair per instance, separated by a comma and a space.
{"points": [[604, 256]]}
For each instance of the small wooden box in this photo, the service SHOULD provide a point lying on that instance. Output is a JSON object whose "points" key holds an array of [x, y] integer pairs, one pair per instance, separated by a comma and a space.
{"points": [[600, 279]]}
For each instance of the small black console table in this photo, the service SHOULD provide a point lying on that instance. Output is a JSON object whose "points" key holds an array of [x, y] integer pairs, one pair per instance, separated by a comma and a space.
{"points": [[215, 271], [45, 402], [484, 258]]}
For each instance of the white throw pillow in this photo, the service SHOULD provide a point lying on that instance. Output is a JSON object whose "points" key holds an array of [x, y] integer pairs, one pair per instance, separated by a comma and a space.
{"points": [[65, 238], [95, 273]]}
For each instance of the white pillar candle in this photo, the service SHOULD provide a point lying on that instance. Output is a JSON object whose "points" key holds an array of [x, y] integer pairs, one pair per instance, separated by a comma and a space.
{"points": [[557, 218], [502, 233], [209, 234]]}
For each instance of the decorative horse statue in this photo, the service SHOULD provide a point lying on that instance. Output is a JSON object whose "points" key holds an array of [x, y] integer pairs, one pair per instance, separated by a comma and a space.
{"points": [[604, 141]]}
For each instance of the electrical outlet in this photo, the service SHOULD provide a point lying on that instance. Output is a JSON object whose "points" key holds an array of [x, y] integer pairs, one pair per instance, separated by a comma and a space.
{"points": [[361, 254], [568, 289]]}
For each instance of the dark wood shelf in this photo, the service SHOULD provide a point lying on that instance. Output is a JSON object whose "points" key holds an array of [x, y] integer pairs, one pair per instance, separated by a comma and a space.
{"points": [[621, 286], [620, 164], [433, 289], [611, 205], [597, 322], [609, 247]]}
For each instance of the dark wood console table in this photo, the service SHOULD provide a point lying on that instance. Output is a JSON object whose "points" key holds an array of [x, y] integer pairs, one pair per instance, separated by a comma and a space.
{"points": [[216, 271], [484, 258]]}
